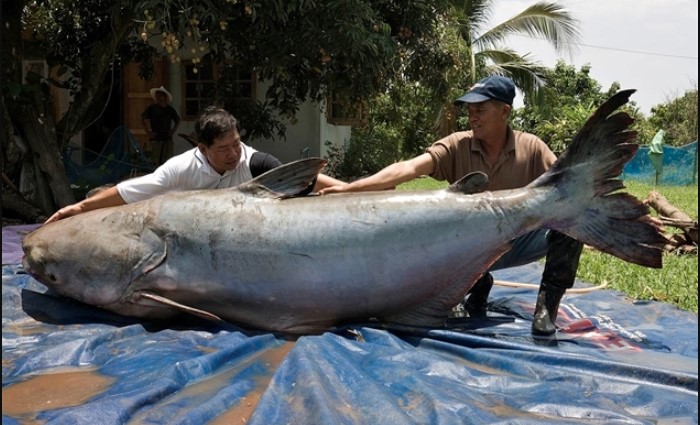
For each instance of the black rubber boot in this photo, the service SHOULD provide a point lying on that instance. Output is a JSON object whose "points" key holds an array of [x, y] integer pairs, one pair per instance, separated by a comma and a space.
{"points": [[479, 296], [546, 310], [563, 254]]}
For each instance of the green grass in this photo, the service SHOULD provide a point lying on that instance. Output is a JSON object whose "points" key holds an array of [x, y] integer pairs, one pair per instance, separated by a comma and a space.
{"points": [[422, 183], [675, 283]]}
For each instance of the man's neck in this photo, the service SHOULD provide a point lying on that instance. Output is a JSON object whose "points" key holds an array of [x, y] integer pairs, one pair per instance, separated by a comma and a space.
{"points": [[495, 143]]}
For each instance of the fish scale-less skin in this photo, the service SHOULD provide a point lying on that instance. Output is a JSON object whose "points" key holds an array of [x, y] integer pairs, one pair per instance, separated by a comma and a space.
{"points": [[273, 259], [253, 256]]}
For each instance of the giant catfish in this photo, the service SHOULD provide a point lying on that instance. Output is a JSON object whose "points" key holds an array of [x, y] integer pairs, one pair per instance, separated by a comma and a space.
{"points": [[257, 256]]}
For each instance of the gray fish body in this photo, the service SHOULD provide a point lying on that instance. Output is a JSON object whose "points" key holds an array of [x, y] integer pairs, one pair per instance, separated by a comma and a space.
{"points": [[252, 256], [298, 265]]}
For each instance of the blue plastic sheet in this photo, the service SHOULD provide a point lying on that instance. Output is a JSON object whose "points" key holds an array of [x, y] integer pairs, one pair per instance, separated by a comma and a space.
{"points": [[614, 361], [678, 165]]}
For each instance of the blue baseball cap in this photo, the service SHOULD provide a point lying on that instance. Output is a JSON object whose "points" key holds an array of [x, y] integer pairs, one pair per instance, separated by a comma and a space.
{"points": [[495, 87]]}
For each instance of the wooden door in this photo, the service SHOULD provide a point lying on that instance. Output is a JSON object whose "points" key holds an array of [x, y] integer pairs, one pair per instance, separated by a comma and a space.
{"points": [[137, 95]]}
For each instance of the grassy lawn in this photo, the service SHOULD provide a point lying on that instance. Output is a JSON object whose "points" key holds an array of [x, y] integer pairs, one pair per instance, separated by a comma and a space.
{"points": [[675, 283]]}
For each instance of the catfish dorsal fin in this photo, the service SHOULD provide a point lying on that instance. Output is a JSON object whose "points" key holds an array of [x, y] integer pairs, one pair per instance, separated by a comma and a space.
{"points": [[287, 180], [471, 183]]}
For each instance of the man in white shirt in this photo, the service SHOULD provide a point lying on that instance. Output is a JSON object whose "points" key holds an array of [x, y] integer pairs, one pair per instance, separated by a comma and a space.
{"points": [[220, 160]]}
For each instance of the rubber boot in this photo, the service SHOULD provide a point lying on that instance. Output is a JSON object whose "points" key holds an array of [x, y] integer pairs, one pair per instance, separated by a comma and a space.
{"points": [[563, 254], [546, 310], [478, 296]]}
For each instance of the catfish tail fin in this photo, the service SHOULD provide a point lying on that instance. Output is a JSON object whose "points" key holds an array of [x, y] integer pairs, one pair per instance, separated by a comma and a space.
{"points": [[586, 177]]}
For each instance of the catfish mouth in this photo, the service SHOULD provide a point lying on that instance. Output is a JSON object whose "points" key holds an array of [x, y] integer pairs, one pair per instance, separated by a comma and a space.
{"points": [[34, 265], [26, 265], [38, 273], [51, 281]]}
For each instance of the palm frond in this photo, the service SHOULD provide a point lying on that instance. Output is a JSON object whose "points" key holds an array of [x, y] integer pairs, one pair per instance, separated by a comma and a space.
{"points": [[470, 14], [545, 21], [528, 75]]}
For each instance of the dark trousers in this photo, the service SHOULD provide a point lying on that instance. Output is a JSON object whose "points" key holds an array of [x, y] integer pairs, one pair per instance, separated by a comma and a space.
{"points": [[160, 150], [562, 256]]}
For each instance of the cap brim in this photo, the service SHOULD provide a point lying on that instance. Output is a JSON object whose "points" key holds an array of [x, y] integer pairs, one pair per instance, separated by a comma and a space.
{"points": [[471, 98]]}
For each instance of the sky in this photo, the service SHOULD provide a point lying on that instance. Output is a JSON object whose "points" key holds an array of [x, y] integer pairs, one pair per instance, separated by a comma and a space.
{"points": [[648, 45]]}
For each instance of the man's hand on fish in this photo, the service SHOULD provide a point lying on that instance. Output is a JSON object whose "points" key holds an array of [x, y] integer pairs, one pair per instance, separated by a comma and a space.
{"points": [[65, 212], [342, 188], [108, 197]]}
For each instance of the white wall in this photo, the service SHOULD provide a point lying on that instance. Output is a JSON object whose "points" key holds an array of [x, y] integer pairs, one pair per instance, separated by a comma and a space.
{"points": [[304, 138], [338, 135], [174, 86], [304, 134]]}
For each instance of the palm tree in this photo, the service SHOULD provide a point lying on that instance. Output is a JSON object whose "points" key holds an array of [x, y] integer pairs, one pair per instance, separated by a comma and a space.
{"points": [[484, 52], [543, 21]]}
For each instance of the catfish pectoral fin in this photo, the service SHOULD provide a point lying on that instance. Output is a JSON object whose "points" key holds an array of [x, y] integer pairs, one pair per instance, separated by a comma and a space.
{"points": [[170, 303]]}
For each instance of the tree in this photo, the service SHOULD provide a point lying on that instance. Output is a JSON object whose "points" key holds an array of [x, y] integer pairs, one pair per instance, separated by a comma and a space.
{"points": [[571, 97], [78, 39], [542, 20], [481, 51], [574, 95], [678, 118], [413, 111], [305, 49]]}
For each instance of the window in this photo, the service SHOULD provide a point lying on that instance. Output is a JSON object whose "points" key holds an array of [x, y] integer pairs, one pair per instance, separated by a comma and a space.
{"points": [[238, 81], [33, 70], [341, 113], [200, 86]]}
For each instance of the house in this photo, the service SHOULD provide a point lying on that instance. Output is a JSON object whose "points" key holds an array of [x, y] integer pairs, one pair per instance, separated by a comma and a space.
{"points": [[306, 137], [316, 126]]}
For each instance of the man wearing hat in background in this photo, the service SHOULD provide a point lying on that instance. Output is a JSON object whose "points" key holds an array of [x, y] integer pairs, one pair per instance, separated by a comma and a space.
{"points": [[511, 159], [160, 120]]}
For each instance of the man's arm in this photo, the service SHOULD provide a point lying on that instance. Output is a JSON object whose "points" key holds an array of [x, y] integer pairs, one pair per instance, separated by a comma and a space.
{"points": [[147, 126], [107, 198], [323, 181], [389, 177], [176, 121], [146, 120], [262, 162]]}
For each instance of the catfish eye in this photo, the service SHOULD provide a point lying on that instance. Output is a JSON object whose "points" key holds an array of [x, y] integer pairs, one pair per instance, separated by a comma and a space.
{"points": [[53, 278]]}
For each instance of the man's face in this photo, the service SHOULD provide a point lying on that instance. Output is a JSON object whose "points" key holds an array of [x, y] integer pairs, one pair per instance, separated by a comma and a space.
{"points": [[161, 98], [486, 118], [223, 155]]}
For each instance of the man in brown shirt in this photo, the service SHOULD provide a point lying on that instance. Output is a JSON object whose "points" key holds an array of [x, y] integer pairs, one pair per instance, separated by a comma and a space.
{"points": [[511, 159]]}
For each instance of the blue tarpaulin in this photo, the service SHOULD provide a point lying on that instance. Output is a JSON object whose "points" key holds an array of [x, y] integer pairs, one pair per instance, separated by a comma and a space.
{"points": [[676, 166], [613, 361]]}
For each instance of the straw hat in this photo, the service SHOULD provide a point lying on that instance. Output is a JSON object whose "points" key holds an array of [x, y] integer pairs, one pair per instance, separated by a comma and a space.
{"points": [[161, 88]]}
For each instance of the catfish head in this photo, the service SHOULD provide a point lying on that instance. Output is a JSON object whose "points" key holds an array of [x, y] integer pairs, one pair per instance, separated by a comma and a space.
{"points": [[94, 257]]}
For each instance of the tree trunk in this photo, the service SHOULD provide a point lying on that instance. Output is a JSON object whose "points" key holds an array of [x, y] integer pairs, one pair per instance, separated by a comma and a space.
{"points": [[27, 114], [40, 135], [15, 203], [674, 216]]}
